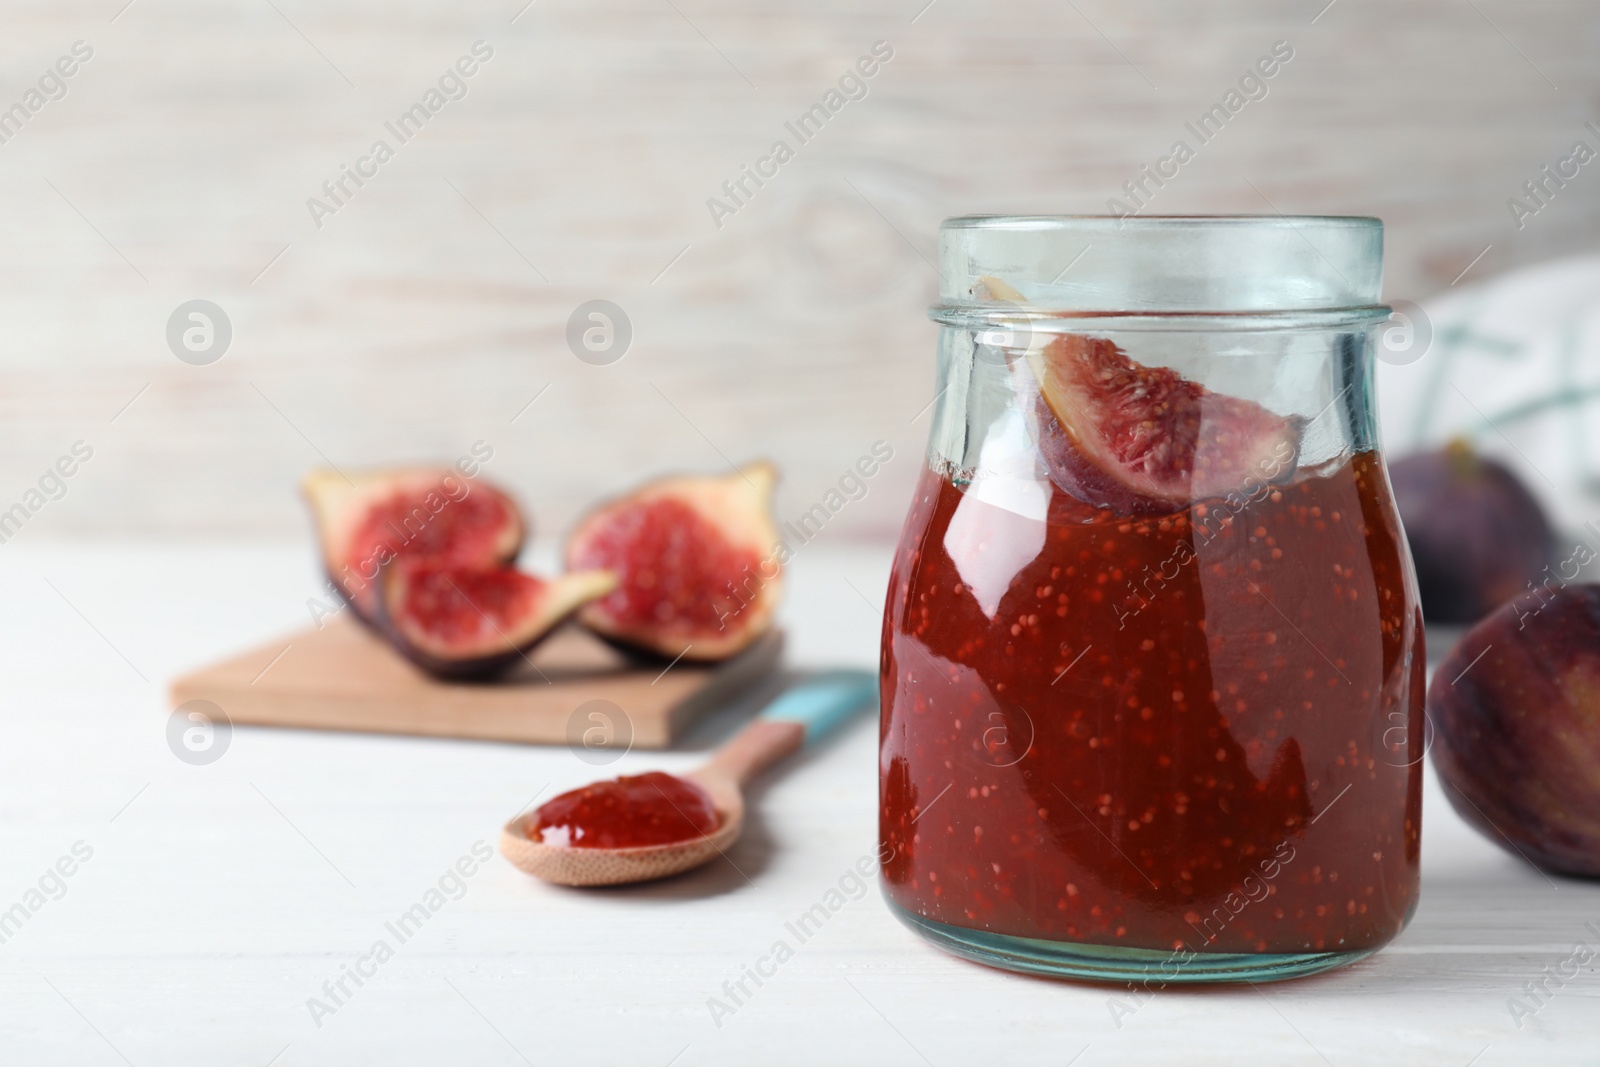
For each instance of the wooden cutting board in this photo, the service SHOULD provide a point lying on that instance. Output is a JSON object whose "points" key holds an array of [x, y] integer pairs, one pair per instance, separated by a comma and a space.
{"points": [[577, 690]]}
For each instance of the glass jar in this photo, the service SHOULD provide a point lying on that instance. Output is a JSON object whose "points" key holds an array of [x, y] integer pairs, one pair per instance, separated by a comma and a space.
{"points": [[1153, 658]]}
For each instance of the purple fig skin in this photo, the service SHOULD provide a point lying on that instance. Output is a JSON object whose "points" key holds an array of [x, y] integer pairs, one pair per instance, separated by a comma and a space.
{"points": [[1517, 731], [1478, 537]]}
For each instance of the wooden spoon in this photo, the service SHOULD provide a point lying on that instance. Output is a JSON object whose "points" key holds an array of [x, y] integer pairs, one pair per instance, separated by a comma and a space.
{"points": [[803, 715]]}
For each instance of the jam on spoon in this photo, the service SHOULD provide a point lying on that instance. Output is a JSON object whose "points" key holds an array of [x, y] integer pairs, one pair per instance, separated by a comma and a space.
{"points": [[628, 812], [635, 829]]}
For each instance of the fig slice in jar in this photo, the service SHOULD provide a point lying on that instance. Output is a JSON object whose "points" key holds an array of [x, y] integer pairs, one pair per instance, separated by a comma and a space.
{"points": [[367, 518], [474, 622], [1121, 435], [698, 564]]}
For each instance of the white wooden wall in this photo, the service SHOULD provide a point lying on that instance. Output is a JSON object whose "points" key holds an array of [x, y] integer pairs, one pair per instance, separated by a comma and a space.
{"points": [[433, 306]]}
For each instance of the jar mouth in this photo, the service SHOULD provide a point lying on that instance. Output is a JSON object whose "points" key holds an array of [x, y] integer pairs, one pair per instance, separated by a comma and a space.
{"points": [[1084, 222], [1168, 265], [1052, 321]]}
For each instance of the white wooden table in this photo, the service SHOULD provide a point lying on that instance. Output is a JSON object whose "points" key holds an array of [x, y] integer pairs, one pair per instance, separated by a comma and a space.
{"points": [[219, 898]]}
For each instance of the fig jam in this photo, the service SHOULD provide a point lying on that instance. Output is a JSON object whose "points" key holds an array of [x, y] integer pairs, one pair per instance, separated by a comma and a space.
{"points": [[1195, 731], [633, 811]]}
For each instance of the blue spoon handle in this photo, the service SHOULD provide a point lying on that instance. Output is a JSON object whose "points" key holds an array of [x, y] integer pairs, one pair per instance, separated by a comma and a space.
{"points": [[822, 703]]}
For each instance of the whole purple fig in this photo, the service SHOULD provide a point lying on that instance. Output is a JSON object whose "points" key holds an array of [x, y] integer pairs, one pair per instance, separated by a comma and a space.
{"points": [[1477, 536], [1515, 708]]}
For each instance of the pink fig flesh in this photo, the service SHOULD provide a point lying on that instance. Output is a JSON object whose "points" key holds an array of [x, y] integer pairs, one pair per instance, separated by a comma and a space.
{"points": [[367, 519], [698, 564], [1137, 439], [475, 622]]}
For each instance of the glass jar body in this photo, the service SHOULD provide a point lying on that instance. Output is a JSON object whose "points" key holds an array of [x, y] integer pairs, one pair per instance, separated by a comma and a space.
{"points": [[1153, 725]]}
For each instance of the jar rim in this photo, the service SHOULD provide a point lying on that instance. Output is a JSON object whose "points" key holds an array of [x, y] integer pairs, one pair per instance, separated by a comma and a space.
{"points": [[1161, 264], [1002, 221], [1050, 321]]}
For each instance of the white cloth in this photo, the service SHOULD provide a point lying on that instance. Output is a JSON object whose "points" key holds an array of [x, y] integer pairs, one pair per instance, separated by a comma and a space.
{"points": [[1514, 364]]}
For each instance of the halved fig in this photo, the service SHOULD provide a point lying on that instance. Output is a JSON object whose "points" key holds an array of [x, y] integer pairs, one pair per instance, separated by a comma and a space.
{"points": [[698, 561], [473, 622], [368, 518], [1146, 439]]}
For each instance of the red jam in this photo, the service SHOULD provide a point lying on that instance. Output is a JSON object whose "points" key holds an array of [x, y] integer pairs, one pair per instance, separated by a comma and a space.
{"points": [[629, 812], [1198, 729]]}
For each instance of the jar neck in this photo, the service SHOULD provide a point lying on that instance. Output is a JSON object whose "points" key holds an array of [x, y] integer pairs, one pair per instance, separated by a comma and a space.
{"points": [[1162, 266], [1002, 315]]}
